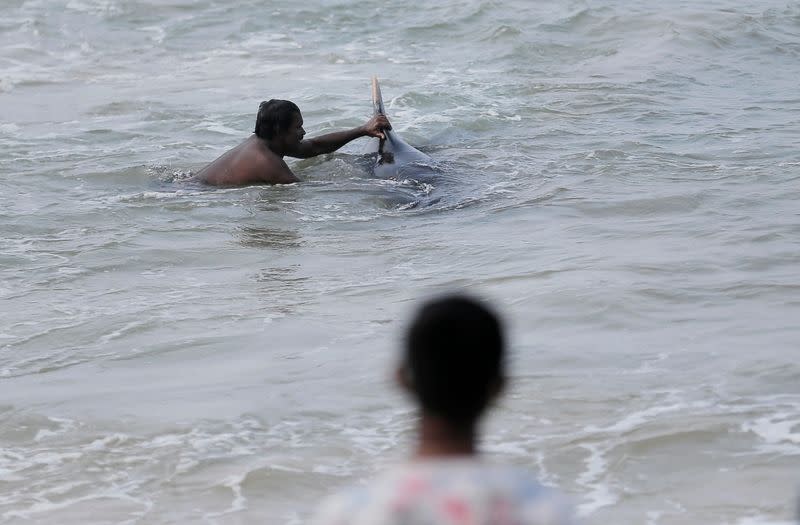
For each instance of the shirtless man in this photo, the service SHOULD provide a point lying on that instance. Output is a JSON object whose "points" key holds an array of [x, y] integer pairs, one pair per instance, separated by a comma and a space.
{"points": [[279, 132]]}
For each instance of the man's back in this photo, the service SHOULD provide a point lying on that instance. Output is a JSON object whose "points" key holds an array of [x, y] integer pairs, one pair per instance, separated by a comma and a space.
{"points": [[251, 162], [448, 492]]}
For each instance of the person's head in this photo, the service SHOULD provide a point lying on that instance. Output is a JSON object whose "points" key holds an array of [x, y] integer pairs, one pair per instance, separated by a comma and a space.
{"points": [[279, 119], [453, 361]]}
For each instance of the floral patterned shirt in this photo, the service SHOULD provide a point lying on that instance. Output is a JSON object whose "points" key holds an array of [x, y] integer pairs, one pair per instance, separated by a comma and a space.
{"points": [[448, 492]]}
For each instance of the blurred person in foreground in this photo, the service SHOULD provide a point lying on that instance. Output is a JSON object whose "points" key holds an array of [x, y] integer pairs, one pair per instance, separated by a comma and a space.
{"points": [[279, 132], [453, 367]]}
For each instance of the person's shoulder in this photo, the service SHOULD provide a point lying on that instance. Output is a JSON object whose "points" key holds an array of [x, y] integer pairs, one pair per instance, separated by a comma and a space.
{"points": [[336, 508], [538, 503], [353, 503], [265, 164], [256, 150], [513, 487], [516, 476]]}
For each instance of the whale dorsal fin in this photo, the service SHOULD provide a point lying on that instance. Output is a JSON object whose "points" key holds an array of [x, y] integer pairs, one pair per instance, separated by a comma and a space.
{"points": [[377, 99], [393, 152]]}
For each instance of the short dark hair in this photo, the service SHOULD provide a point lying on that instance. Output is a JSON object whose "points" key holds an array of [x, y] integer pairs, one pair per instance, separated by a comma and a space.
{"points": [[274, 116], [455, 357]]}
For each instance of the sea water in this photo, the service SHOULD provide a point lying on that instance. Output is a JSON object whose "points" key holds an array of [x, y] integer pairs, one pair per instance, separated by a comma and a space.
{"points": [[620, 178]]}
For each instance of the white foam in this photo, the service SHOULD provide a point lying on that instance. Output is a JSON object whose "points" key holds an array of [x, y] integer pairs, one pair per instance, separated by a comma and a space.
{"points": [[599, 494], [408, 206], [653, 517], [105, 338], [780, 432], [239, 502], [8, 128], [284, 468], [507, 447], [104, 442], [635, 420], [7, 475], [53, 458], [46, 506], [166, 441], [95, 7], [185, 465], [217, 128], [761, 520], [270, 40], [70, 270], [154, 195], [62, 427], [504, 187], [158, 33], [273, 316]]}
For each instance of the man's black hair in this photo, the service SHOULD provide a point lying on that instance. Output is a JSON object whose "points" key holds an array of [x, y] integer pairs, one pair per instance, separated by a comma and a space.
{"points": [[454, 355], [274, 116]]}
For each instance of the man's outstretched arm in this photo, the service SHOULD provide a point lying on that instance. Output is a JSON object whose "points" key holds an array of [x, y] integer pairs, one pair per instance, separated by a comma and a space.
{"points": [[330, 142]]}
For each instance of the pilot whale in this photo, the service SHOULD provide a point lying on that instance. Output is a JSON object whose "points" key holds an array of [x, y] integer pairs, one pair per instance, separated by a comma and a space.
{"points": [[395, 158]]}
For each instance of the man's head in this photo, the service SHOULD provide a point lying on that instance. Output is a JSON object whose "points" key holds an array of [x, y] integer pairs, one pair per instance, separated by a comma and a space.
{"points": [[277, 118], [454, 358]]}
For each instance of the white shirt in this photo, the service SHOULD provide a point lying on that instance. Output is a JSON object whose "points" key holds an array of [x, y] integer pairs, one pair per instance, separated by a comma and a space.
{"points": [[448, 492]]}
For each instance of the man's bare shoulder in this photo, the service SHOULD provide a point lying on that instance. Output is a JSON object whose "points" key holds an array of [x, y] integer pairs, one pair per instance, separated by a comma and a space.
{"points": [[271, 166]]}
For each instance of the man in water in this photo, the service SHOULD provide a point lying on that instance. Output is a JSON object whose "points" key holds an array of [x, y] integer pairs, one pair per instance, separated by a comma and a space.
{"points": [[453, 367], [279, 132]]}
